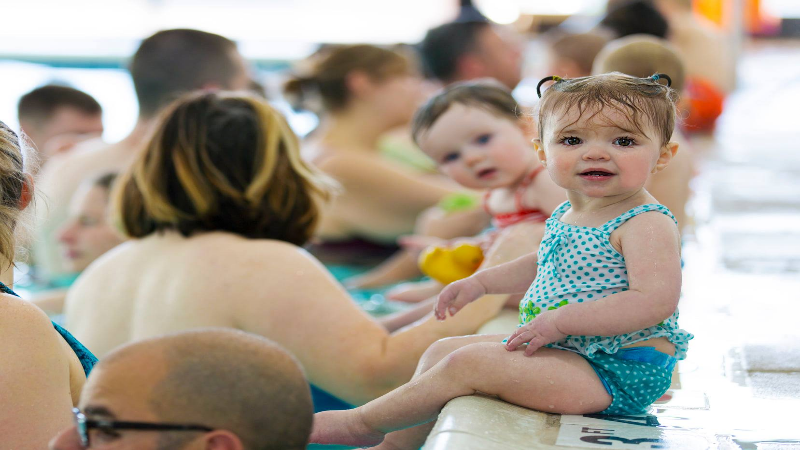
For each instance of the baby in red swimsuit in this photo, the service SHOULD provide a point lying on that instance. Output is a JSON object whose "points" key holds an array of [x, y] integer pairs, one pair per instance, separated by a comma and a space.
{"points": [[478, 135]]}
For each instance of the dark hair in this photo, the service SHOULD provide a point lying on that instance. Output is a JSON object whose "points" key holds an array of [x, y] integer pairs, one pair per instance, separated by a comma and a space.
{"points": [[488, 95], [172, 62], [221, 162], [327, 70], [40, 104], [444, 45], [635, 17], [632, 96]]}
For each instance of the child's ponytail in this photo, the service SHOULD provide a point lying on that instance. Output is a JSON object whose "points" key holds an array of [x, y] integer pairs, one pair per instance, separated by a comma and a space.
{"points": [[655, 77], [544, 80]]}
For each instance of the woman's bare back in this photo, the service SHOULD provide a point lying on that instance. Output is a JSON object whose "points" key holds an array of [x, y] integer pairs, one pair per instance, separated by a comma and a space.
{"points": [[160, 284]]}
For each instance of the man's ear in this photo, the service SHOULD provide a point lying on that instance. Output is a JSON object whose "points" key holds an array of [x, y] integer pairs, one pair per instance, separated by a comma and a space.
{"points": [[469, 67], [668, 151], [539, 148], [222, 440], [358, 83], [26, 196]]}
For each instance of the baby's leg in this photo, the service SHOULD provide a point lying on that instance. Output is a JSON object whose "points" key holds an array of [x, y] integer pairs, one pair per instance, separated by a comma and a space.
{"points": [[551, 380], [412, 437]]}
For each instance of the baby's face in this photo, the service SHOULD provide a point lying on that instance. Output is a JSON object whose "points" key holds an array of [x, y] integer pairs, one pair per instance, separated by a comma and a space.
{"points": [[478, 149], [601, 155]]}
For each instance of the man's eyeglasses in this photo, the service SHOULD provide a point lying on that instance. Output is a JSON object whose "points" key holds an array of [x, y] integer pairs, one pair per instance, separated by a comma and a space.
{"points": [[85, 426]]}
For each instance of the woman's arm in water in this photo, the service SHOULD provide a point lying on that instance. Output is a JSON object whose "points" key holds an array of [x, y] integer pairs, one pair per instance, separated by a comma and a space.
{"points": [[34, 369], [52, 301], [398, 320], [381, 200], [290, 298]]}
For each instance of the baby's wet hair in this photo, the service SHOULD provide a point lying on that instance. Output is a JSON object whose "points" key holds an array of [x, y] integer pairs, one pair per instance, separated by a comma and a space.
{"points": [[631, 96], [485, 94]]}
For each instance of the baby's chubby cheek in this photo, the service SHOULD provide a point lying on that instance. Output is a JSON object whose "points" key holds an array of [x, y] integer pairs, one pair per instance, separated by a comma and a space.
{"points": [[559, 171], [634, 173]]}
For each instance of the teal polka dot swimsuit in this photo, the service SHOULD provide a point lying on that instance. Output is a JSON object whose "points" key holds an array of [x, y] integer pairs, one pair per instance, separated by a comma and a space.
{"points": [[578, 265]]}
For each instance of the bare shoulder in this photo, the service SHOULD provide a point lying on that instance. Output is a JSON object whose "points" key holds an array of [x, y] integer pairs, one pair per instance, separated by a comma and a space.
{"points": [[23, 324], [107, 263], [648, 228], [655, 219], [86, 159], [243, 255]]}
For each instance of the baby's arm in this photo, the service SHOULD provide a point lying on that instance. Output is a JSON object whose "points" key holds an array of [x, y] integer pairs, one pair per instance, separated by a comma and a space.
{"points": [[510, 278]]}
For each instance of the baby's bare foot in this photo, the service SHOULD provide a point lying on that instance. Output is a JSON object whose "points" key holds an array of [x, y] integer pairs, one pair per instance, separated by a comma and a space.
{"points": [[344, 428]]}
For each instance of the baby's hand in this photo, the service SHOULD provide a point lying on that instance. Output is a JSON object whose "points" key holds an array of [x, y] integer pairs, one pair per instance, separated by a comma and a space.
{"points": [[537, 333], [457, 295]]}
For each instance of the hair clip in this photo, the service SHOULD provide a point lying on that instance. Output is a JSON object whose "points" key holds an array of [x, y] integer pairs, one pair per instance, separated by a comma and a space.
{"points": [[657, 76], [555, 78]]}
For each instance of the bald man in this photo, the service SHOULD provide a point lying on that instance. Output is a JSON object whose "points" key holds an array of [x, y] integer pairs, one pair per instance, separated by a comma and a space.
{"points": [[209, 389]]}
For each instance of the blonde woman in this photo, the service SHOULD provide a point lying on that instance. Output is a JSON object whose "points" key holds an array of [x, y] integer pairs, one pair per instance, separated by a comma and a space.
{"points": [[218, 204], [42, 367]]}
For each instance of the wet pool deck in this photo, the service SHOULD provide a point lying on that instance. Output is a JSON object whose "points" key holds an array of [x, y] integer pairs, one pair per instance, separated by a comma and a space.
{"points": [[740, 386]]}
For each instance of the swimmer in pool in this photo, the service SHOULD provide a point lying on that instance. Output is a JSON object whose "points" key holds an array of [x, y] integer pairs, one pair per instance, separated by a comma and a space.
{"points": [[86, 236], [43, 368]]}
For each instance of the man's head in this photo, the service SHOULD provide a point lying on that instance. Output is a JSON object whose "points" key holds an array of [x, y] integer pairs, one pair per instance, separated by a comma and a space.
{"points": [[247, 390], [628, 17], [54, 111], [172, 62], [641, 55], [460, 51]]}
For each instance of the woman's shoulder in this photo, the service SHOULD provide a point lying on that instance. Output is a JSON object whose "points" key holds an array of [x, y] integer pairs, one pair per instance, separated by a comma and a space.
{"points": [[21, 321], [239, 255]]}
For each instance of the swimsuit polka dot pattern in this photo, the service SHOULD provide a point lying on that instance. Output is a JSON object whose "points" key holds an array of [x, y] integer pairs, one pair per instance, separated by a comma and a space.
{"points": [[579, 264]]}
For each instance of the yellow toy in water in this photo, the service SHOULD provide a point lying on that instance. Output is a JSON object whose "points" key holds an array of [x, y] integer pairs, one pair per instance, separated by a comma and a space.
{"points": [[447, 265]]}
